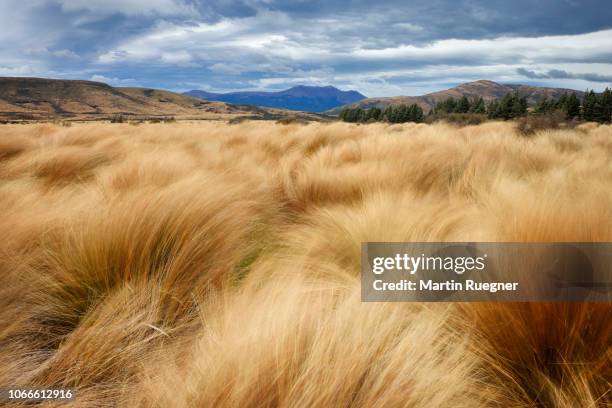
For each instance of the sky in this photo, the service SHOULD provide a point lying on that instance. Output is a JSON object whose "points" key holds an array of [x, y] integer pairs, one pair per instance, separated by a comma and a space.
{"points": [[380, 48]]}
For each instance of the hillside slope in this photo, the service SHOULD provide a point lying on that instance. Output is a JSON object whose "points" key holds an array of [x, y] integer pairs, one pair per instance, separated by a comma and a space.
{"points": [[39, 98], [488, 90], [301, 98]]}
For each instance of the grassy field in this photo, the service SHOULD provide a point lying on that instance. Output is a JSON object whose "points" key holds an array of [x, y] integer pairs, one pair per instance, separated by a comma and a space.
{"points": [[211, 264]]}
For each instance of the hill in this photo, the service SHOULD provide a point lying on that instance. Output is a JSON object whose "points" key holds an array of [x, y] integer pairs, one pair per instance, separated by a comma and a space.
{"points": [[488, 90], [301, 98], [42, 99]]}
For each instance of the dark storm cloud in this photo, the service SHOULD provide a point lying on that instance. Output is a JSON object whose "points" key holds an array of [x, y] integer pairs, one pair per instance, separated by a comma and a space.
{"points": [[465, 19], [385, 47], [561, 74], [531, 74]]}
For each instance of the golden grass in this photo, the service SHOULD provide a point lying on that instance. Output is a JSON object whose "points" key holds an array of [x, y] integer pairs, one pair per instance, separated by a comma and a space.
{"points": [[213, 265]]}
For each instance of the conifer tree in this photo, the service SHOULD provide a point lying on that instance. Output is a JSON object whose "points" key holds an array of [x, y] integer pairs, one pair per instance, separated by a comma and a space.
{"points": [[448, 105], [589, 106], [373, 113], [562, 102], [478, 106], [463, 106], [493, 110], [606, 105], [505, 107], [387, 113], [403, 115], [415, 113], [544, 106], [519, 106], [572, 106]]}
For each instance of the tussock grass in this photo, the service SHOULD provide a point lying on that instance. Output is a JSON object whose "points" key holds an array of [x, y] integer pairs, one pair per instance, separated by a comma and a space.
{"points": [[11, 146], [213, 265]]}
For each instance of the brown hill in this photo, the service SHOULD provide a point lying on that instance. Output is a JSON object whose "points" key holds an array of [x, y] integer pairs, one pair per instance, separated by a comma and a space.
{"points": [[488, 90], [42, 99]]}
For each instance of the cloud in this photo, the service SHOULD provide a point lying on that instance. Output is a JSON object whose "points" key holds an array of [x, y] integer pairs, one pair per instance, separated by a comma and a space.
{"points": [[272, 36], [531, 74], [176, 57], [45, 52], [562, 74], [127, 7], [582, 47], [265, 44], [65, 54], [112, 80], [228, 68], [16, 71], [410, 27], [393, 48]]}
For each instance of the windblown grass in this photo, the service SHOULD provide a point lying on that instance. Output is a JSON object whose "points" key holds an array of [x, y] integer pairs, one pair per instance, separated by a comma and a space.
{"points": [[212, 265]]}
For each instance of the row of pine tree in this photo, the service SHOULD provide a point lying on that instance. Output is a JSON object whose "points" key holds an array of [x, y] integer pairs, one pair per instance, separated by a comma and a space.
{"points": [[392, 114], [596, 107]]}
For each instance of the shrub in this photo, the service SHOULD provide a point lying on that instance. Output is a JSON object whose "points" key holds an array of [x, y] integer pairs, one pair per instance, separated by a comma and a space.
{"points": [[292, 120], [461, 119], [241, 119], [528, 125], [117, 118]]}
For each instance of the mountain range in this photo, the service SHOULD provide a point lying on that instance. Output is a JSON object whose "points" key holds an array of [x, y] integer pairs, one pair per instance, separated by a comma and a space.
{"points": [[300, 98], [43, 99], [488, 90]]}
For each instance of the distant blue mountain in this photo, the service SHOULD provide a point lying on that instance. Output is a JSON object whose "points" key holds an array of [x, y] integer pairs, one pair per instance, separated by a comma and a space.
{"points": [[301, 98]]}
